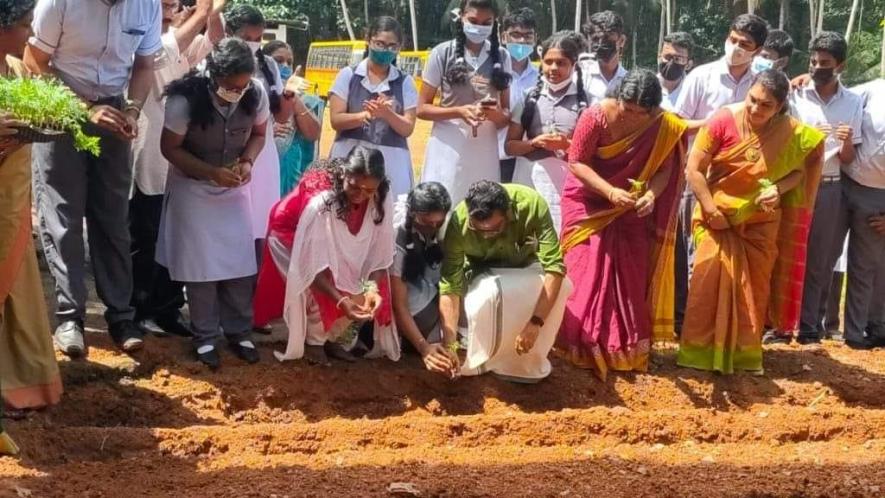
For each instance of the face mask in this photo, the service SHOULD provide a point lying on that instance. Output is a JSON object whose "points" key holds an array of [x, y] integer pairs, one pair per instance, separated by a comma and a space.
{"points": [[382, 57], [736, 56], [477, 33], [519, 51], [671, 71], [822, 75], [254, 46], [229, 96], [761, 64], [285, 73], [558, 87], [604, 51]]}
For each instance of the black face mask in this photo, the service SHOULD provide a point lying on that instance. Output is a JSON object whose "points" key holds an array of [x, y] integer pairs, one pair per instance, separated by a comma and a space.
{"points": [[671, 71], [822, 75], [604, 50]]}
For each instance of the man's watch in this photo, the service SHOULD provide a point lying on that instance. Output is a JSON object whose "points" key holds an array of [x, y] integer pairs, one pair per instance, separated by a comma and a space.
{"points": [[537, 320]]}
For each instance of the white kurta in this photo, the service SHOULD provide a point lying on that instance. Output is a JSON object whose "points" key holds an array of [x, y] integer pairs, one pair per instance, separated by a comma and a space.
{"points": [[325, 242], [264, 188], [546, 176]]}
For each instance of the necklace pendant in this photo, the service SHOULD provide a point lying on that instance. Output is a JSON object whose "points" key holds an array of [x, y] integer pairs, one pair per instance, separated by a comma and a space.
{"points": [[753, 154]]}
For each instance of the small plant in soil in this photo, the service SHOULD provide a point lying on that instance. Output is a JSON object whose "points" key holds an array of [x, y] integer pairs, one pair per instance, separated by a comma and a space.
{"points": [[48, 107]]}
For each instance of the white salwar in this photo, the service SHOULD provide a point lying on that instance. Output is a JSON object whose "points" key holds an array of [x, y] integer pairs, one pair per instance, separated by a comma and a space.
{"points": [[547, 177], [324, 242], [499, 303], [457, 159]]}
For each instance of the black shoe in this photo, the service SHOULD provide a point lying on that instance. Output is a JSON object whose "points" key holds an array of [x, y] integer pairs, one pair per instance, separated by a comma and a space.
{"points": [[263, 330], [336, 351], [210, 359], [807, 340], [773, 336], [245, 353], [863, 344], [127, 336], [174, 325]]}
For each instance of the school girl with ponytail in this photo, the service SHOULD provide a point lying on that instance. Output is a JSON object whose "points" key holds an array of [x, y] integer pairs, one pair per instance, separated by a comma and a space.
{"points": [[471, 74], [373, 104], [542, 125]]}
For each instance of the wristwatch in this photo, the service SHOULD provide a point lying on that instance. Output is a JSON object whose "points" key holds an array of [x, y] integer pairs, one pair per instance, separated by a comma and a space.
{"points": [[537, 320], [133, 105]]}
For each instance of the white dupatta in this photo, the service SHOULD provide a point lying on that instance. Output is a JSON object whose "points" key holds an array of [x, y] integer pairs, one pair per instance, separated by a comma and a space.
{"points": [[323, 241]]}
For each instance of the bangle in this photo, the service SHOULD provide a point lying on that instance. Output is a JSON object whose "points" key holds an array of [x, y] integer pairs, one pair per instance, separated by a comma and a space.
{"points": [[247, 160], [338, 304], [305, 113]]}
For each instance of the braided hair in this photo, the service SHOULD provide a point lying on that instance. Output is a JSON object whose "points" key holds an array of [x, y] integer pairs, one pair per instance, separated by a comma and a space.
{"points": [[243, 16], [229, 58], [427, 197], [362, 161], [571, 45], [459, 72]]}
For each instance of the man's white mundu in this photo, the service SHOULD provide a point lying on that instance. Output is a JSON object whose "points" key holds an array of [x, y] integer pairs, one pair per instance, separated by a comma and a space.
{"points": [[323, 241]]}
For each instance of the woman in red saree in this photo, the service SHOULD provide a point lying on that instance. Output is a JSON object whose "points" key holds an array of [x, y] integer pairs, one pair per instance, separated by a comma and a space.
{"points": [[755, 172], [618, 234]]}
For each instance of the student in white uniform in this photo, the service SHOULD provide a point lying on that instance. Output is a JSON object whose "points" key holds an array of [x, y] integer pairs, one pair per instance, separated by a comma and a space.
{"points": [[674, 62], [215, 128], [542, 125], [519, 35], [157, 300], [776, 52], [247, 23], [373, 104], [472, 75], [602, 67], [837, 111]]}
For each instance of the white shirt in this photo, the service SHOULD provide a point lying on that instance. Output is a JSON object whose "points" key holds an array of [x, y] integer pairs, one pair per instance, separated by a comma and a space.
{"points": [[92, 43], [341, 87], [869, 167], [178, 110], [709, 88], [670, 97], [596, 86], [520, 86], [845, 107], [149, 166]]}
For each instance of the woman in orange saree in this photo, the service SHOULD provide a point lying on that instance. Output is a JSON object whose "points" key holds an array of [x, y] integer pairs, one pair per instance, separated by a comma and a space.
{"points": [[618, 215], [755, 172], [28, 373]]}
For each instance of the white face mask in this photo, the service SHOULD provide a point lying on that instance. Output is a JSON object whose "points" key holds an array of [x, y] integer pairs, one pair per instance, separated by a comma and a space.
{"points": [[477, 33], [254, 46], [229, 96], [558, 87], [736, 56]]}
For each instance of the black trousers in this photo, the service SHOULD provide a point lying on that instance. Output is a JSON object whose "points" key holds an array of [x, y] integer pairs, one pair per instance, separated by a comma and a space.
{"points": [[155, 294], [507, 167]]}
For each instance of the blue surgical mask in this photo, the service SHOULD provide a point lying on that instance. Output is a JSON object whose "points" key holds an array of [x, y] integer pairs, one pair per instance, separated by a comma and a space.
{"points": [[285, 73], [477, 33], [761, 64], [519, 51], [382, 57]]}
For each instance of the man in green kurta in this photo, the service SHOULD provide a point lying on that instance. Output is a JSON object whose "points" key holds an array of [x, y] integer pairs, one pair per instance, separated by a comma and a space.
{"points": [[503, 266]]}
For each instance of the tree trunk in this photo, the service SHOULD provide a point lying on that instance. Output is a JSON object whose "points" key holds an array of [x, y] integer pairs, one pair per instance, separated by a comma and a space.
{"points": [[663, 25], [782, 20], [578, 8], [820, 16], [882, 59], [812, 17], [414, 24], [553, 18], [347, 20], [851, 18], [366, 12], [669, 16]]}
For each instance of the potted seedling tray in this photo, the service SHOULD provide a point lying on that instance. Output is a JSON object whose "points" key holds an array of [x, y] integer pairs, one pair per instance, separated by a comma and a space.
{"points": [[49, 110]]}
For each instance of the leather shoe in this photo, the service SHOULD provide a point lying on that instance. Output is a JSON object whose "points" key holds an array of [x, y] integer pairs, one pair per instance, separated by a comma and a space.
{"points": [[210, 359], [127, 336], [245, 353]]}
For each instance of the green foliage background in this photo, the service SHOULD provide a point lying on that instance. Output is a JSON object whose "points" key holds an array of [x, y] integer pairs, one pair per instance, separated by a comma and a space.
{"points": [[707, 20]]}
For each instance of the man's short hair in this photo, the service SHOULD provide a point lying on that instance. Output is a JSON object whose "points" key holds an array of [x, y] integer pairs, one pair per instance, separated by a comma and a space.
{"points": [[832, 43], [606, 22], [753, 26], [681, 39], [520, 18], [484, 198], [780, 42]]}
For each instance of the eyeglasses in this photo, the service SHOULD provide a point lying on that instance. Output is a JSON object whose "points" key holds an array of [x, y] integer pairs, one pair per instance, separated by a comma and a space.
{"points": [[238, 90], [678, 59], [380, 45], [351, 183], [521, 36]]}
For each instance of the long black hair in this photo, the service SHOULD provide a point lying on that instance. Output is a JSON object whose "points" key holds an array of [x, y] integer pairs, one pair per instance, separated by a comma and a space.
{"points": [[777, 84], [427, 197], [365, 162], [571, 45], [229, 58], [459, 72], [383, 24], [243, 16]]}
